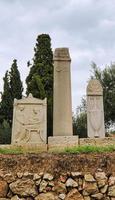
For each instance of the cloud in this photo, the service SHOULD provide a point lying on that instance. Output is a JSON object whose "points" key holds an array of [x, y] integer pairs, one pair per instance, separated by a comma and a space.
{"points": [[87, 27]]}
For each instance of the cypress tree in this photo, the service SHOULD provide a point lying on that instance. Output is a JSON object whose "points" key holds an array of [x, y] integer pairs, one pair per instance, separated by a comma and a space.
{"points": [[15, 81], [6, 101], [40, 79], [12, 89]]}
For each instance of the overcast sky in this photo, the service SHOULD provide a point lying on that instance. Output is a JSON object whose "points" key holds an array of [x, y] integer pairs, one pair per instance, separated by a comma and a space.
{"points": [[87, 27]]}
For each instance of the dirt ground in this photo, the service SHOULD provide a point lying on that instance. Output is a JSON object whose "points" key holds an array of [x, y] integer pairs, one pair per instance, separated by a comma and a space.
{"points": [[56, 163]]}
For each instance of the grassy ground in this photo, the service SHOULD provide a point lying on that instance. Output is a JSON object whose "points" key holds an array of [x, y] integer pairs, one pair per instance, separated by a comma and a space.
{"points": [[73, 150], [90, 149], [17, 150]]}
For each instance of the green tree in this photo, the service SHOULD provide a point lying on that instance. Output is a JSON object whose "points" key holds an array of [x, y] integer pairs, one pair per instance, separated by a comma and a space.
{"points": [[37, 86], [16, 87], [5, 133], [12, 89], [80, 120], [6, 101], [40, 78], [107, 79], [15, 81]]}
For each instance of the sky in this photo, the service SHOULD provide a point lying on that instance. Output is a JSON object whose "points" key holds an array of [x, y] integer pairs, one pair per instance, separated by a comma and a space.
{"points": [[86, 27]]}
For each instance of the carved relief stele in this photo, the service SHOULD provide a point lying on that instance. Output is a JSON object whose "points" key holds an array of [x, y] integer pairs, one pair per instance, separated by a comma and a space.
{"points": [[29, 121], [95, 112]]}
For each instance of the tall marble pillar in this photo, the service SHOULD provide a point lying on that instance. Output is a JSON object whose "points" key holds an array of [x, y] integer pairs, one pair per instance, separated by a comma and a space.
{"points": [[95, 111], [62, 106]]}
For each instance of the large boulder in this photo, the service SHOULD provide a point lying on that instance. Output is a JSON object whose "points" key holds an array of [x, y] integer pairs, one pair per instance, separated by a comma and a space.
{"points": [[24, 188]]}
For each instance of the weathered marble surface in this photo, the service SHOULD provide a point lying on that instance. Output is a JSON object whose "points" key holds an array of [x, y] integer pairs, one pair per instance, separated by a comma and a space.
{"points": [[95, 111], [29, 121], [62, 110], [62, 142]]}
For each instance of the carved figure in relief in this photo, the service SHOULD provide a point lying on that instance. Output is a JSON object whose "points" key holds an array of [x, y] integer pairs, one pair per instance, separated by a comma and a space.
{"points": [[29, 123], [95, 114]]}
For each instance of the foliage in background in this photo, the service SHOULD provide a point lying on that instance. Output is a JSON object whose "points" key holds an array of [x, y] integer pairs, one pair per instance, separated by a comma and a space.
{"points": [[5, 133], [80, 125], [12, 88], [15, 82], [40, 78], [6, 101], [80, 120]]}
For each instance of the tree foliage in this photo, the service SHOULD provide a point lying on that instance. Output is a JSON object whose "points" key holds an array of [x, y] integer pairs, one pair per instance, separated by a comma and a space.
{"points": [[12, 89], [80, 120], [40, 79], [15, 81], [36, 85], [6, 101], [5, 133]]}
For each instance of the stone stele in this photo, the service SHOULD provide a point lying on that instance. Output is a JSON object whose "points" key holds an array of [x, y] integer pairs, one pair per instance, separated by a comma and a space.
{"points": [[62, 107], [29, 121], [95, 112]]}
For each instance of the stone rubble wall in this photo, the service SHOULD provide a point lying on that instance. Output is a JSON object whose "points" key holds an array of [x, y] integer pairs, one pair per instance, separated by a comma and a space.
{"points": [[65, 186]]}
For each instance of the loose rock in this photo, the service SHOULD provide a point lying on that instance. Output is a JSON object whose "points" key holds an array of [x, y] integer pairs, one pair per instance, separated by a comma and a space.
{"points": [[48, 177], [24, 188], [3, 188], [111, 191], [71, 183], [74, 195], [46, 196]]}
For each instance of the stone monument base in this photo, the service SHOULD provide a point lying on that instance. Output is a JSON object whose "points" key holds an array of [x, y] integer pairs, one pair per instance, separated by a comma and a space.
{"points": [[101, 142], [61, 142]]}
